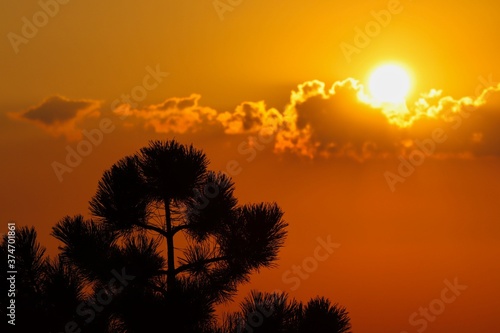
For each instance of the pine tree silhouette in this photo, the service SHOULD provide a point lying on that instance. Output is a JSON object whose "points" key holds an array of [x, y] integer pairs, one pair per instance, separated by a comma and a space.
{"points": [[178, 229]]}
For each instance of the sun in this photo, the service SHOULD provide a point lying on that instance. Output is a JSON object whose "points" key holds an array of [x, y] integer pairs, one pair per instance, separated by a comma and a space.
{"points": [[389, 84]]}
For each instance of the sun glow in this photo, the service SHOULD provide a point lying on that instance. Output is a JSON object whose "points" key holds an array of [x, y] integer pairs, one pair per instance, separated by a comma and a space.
{"points": [[389, 84]]}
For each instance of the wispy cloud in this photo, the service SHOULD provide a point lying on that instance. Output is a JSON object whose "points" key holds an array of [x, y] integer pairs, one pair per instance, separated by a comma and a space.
{"points": [[174, 115], [251, 117], [60, 116]]}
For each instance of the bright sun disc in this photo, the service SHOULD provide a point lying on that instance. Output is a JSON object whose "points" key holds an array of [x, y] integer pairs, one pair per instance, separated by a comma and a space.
{"points": [[389, 84]]}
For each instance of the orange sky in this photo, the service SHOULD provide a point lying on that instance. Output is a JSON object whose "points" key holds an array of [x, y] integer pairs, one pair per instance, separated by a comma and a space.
{"points": [[225, 80]]}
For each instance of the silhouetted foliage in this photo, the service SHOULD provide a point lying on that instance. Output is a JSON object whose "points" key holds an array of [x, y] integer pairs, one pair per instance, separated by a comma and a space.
{"points": [[166, 243], [320, 316], [165, 196], [47, 290], [276, 312]]}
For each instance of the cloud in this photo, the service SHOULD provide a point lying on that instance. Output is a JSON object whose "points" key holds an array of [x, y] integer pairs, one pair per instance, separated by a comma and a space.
{"points": [[343, 121], [60, 116], [174, 115], [250, 117], [335, 122], [471, 124], [186, 115], [317, 122]]}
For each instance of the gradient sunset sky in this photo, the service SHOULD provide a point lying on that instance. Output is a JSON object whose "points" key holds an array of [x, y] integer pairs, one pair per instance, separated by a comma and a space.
{"points": [[275, 93]]}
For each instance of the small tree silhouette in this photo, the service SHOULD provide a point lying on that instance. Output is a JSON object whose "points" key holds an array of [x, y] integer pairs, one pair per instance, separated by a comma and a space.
{"points": [[47, 291], [164, 194], [276, 312], [321, 316]]}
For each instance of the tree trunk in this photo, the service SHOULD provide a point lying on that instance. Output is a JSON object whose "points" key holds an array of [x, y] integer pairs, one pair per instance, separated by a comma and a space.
{"points": [[170, 248]]}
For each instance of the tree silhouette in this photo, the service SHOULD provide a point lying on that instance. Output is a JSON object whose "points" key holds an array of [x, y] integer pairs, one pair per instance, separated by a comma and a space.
{"points": [[163, 197], [47, 291], [167, 241], [320, 316], [276, 312]]}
